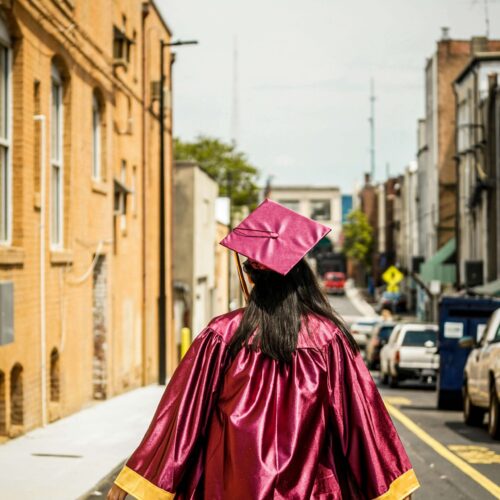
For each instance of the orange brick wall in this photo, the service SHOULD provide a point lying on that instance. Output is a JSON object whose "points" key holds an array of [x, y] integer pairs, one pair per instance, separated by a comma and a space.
{"points": [[80, 35]]}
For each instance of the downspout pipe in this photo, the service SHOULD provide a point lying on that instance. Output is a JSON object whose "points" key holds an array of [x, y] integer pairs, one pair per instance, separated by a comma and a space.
{"points": [[145, 12], [43, 333], [162, 316], [457, 196]]}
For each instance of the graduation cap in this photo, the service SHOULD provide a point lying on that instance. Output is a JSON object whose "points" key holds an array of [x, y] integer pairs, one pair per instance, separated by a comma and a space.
{"points": [[275, 237]]}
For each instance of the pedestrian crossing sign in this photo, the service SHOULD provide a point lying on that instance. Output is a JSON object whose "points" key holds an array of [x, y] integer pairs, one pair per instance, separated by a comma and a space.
{"points": [[392, 276]]}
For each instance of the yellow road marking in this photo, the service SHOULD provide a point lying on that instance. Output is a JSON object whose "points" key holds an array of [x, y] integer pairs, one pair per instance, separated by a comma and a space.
{"points": [[476, 454], [398, 401], [439, 448]]}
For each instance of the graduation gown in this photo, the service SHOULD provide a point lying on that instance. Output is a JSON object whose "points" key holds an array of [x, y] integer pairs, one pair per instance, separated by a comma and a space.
{"points": [[250, 428]]}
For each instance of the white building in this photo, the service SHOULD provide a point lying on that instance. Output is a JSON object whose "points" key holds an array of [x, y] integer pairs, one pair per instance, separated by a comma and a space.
{"points": [[194, 235], [475, 171], [323, 204]]}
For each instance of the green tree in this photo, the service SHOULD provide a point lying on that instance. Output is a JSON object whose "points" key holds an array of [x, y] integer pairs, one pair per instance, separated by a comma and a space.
{"points": [[358, 237], [230, 168]]}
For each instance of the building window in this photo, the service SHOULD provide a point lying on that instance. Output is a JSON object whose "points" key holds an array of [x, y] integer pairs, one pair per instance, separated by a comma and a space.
{"points": [[96, 137], [123, 198], [121, 193], [56, 159], [5, 139], [291, 204], [134, 190], [320, 209]]}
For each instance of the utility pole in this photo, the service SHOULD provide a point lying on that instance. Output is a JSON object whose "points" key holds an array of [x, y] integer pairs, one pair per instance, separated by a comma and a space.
{"points": [[487, 18], [372, 130], [235, 103]]}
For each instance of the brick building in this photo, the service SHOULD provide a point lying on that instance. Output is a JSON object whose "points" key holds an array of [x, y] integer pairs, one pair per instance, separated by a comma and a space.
{"points": [[436, 144], [79, 198]]}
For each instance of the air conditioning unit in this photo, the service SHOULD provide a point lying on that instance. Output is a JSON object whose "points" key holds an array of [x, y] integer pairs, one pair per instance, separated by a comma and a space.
{"points": [[473, 273], [121, 48], [155, 90]]}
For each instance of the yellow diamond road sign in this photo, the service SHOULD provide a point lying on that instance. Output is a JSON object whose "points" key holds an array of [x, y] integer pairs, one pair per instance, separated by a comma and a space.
{"points": [[392, 276]]}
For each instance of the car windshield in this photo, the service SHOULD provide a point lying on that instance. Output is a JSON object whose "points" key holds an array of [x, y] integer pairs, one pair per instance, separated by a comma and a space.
{"points": [[334, 277], [385, 332], [419, 337]]}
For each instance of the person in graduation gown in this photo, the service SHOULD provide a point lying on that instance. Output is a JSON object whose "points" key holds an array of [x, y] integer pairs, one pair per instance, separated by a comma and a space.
{"points": [[272, 401]]}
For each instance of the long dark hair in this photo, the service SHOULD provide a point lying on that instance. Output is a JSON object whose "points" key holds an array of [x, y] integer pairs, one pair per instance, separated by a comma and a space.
{"points": [[276, 309]]}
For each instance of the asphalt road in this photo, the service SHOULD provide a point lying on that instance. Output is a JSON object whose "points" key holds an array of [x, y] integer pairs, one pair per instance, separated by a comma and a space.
{"points": [[438, 438], [343, 306]]}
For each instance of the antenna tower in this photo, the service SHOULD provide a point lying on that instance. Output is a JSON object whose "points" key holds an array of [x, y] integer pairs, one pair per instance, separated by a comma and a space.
{"points": [[372, 130], [235, 103]]}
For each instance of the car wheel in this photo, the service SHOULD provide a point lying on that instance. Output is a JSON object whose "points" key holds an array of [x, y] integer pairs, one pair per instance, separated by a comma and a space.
{"points": [[473, 415], [494, 414]]}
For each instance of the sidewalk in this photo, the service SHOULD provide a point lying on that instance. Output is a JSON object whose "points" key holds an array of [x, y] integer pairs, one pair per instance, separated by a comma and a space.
{"points": [[64, 460], [357, 299]]}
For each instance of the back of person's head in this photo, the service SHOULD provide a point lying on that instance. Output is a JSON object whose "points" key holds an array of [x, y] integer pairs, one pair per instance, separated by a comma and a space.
{"points": [[277, 308]]}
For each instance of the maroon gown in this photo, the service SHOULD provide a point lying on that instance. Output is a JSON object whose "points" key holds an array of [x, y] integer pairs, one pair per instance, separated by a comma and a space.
{"points": [[254, 429]]}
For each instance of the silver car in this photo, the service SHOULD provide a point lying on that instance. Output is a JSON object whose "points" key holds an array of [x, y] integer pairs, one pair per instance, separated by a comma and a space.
{"points": [[481, 388]]}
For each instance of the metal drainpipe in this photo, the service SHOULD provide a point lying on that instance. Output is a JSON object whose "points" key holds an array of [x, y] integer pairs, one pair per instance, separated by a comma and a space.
{"points": [[43, 370], [145, 12], [162, 320], [457, 195]]}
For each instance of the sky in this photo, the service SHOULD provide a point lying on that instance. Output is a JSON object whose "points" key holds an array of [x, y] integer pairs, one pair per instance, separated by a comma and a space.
{"points": [[303, 79]]}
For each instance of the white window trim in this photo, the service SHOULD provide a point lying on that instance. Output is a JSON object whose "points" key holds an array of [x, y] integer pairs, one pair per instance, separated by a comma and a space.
{"points": [[58, 163], [96, 140], [7, 141], [123, 200]]}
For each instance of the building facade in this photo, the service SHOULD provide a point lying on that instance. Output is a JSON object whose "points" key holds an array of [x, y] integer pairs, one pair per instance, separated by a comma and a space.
{"points": [[195, 233], [323, 204], [79, 224], [436, 145], [477, 166]]}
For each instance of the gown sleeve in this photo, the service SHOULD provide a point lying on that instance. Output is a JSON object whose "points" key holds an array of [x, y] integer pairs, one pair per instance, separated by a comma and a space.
{"points": [[166, 451], [368, 439]]}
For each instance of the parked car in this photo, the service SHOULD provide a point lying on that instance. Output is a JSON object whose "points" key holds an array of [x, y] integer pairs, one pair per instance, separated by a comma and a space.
{"points": [[410, 353], [481, 387], [362, 329], [334, 283], [379, 338], [394, 301]]}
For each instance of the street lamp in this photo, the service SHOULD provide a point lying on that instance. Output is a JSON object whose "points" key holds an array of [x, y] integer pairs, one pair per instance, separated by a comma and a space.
{"points": [[162, 315]]}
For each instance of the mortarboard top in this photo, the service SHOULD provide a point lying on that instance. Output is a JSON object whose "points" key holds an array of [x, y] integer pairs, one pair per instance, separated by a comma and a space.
{"points": [[275, 236]]}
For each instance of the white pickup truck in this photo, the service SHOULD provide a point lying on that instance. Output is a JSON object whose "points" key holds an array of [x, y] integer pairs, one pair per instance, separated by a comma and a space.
{"points": [[410, 353], [481, 388]]}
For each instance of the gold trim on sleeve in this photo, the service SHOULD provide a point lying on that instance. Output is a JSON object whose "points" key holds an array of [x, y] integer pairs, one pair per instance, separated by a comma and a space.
{"points": [[401, 487], [139, 487]]}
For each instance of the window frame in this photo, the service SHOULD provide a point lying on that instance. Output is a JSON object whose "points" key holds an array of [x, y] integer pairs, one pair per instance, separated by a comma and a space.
{"points": [[58, 162], [315, 202], [6, 140], [96, 138]]}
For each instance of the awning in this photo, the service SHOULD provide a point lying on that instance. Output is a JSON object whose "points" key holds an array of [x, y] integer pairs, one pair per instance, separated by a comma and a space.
{"points": [[491, 289], [441, 266]]}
